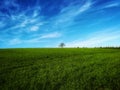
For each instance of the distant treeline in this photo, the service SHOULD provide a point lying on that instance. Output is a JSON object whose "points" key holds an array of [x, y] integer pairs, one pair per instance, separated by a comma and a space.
{"points": [[107, 47], [100, 47]]}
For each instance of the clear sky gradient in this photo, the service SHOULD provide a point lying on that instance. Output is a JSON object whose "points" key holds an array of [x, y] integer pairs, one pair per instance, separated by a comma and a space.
{"points": [[46, 23]]}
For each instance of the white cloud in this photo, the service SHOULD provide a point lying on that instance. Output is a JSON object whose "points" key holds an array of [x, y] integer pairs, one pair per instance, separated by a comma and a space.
{"points": [[112, 5], [36, 11], [96, 39], [36, 39], [67, 15], [51, 35], [15, 41], [92, 42], [34, 28], [85, 7], [76, 9], [23, 24]]}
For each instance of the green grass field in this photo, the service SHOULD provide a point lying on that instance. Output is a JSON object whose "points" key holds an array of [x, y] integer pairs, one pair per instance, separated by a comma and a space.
{"points": [[60, 69]]}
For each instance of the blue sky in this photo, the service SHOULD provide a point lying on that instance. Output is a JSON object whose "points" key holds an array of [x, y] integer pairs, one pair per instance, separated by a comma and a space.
{"points": [[46, 23]]}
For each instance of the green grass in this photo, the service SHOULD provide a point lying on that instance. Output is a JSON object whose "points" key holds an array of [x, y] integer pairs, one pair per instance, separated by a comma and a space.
{"points": [[60, 69]]}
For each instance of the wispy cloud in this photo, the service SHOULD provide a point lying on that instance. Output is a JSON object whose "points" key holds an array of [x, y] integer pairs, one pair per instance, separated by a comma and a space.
{"points": [[96, 39], [116, 4], [23, 23], [51, 35], [67, 15], [92, 42], [85, 7], [34, 28], [40, 38], [36, 11], [14, 41]]}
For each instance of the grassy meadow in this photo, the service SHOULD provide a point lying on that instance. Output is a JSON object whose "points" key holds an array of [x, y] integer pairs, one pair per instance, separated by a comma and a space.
{"points": [[60, 69]]}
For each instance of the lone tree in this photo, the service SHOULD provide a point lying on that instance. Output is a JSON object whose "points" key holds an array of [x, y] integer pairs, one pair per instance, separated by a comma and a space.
{"points": [[61, 45]]}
